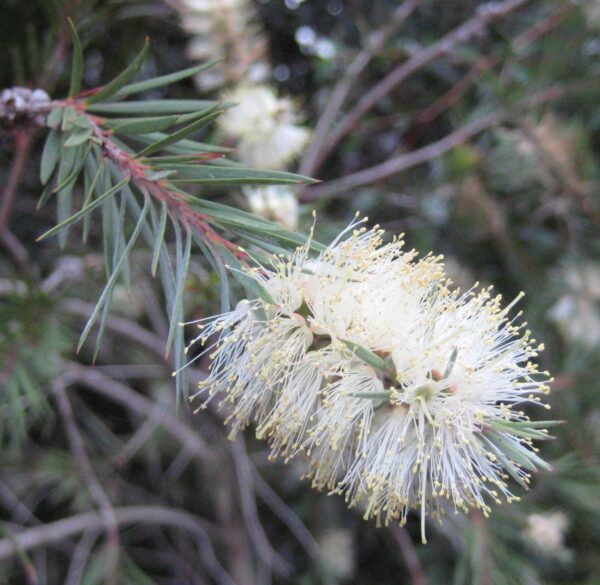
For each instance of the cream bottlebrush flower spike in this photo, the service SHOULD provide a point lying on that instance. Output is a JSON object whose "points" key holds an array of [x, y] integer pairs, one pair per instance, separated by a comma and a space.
{"points": [[224, 30], [265, 127], [400, 392]]}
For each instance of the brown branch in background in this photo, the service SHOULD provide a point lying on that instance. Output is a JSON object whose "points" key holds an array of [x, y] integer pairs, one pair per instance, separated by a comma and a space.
{"points": [[17, 250], [402, 162], [258, 538], [486, 62], [335, 101], [272, 500], [474, 27], [122, 394], [120, 325], [23, 144], [411, 559], [55, 532], [571, 186], [92, 482]]}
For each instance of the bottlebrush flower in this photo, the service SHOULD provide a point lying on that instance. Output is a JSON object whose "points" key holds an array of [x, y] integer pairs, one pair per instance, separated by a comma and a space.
{"points": [[226, 30], [400, 392], [277, 203], [265, 127]]}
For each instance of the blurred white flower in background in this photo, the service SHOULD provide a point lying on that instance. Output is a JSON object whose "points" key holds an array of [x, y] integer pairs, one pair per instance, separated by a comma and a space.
{"points": [[226, 30], [265, 127], [546, 533], [337, 551], [277, 203], [399, 391], [577, 312]]}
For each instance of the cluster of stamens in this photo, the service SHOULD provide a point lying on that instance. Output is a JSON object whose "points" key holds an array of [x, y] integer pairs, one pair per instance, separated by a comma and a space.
{"points": [[398, 391]]}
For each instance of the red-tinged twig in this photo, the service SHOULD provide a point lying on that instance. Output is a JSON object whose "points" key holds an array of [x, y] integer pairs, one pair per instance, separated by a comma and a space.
{"points": [[92, 482], [336, 100], [158, 189], [411, 559], [472, 28]]}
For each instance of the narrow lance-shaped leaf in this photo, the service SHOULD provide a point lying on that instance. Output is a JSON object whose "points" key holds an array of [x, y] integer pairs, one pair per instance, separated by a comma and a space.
{"points": [[77, 64], [91, 188], [144, 125], [50, 155], [152, 107], [64, 207], [118, 82], [72, 176], [182, 270], [366, 355], [87, 209], [213, 175], [113, 277], [163, 79], [176, 136], [159, 236]]}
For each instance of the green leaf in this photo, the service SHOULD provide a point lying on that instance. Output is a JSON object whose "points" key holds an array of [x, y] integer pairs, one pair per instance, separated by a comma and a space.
{"points": [[236, 219], [505, 461], [72, 176], [517, 429], [153, 107], [366, 355], [159, 236], [252, 287], [527, 459], [46, 193], [90, 207], [120, 80], [90, 188], [113, 277], [77, 64], [183, 264], [77, 138], [180, 134], [64, 206], [50, 155], [215, 175], [383, 395], [144, 125], [184, 146], [55, 117], [163, 80]]}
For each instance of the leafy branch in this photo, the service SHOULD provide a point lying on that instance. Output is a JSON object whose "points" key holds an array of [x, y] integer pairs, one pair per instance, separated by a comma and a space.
{"points": [[135, 160]]}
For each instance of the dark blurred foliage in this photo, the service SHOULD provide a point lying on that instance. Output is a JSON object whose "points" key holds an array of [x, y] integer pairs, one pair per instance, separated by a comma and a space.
{"points": [[515, 205]]}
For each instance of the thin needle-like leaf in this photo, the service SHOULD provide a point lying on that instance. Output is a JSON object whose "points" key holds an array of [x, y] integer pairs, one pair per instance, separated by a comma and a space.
{"points": [[159, 236], [90, 207], [77, 64], [163, 79], [183, 264], [176, 136], [113, 277], [120, 80]]}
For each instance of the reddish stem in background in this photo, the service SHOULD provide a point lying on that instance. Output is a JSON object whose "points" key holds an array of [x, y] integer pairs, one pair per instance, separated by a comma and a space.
{"points": [[23, 144]]}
